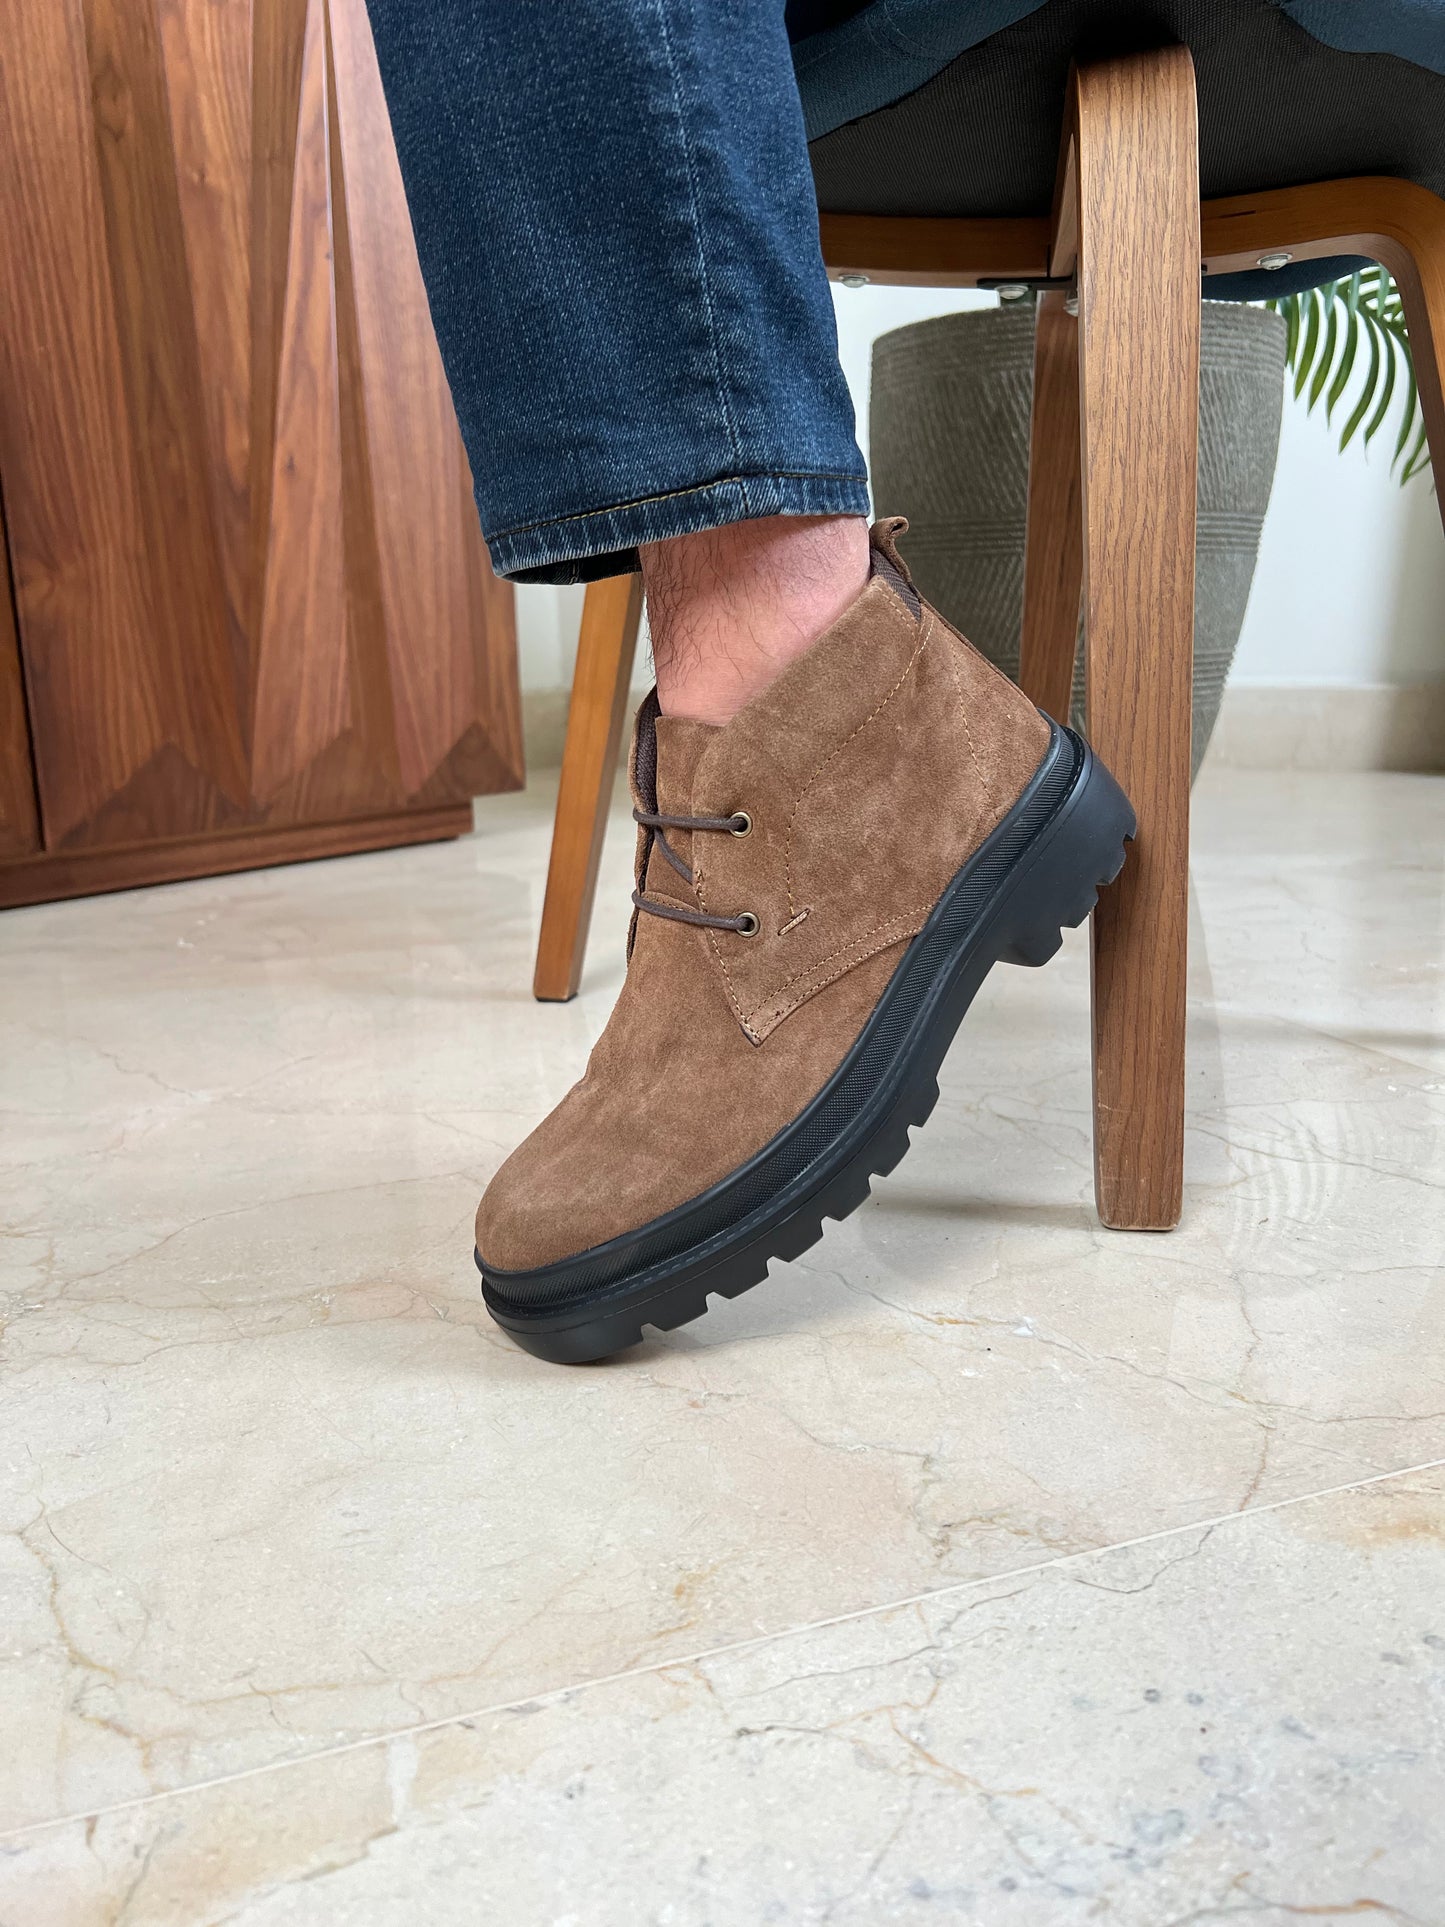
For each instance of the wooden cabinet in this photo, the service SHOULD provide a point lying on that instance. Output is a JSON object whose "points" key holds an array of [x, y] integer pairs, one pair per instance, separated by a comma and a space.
{"points": [[253, 617]]}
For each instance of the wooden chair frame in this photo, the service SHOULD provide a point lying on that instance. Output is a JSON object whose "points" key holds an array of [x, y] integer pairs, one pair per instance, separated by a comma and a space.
{"points": [[1111, 515]]}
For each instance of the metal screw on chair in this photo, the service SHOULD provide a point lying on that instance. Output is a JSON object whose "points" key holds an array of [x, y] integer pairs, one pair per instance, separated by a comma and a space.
{"points": [[1013, 291], [1275, 260], [1071, 304], [853, 280]]}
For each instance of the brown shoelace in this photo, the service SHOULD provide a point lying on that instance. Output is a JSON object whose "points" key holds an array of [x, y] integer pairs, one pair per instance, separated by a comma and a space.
{"points": [[738, 824]]}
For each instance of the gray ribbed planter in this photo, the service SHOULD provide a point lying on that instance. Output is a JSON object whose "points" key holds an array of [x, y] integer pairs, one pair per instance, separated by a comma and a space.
{"points": [[949, 448]]}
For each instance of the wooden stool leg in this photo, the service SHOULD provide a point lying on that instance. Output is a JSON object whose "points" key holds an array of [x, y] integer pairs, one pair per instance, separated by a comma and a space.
{"points": [[1418, 265], [605, 648], [1054, 552], [1137, 183]]}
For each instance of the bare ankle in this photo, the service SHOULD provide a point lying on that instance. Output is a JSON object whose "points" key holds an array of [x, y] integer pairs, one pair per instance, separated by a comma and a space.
{"points": [[729, 608]]}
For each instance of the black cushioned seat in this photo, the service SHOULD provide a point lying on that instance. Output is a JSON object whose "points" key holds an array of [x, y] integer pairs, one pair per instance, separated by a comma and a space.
{"points": [[1279, 105]]}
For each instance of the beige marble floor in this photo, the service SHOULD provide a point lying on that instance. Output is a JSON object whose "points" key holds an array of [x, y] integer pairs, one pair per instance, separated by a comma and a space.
{"points": [[316, 1597]]}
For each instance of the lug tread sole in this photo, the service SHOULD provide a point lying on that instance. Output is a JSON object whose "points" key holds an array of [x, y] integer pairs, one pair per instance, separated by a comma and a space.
{"points": [[606, 1327], [852, 1187]]}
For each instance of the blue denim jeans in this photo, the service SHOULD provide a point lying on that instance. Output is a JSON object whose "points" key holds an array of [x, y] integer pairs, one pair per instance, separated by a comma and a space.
{"points": [[617, 228]]}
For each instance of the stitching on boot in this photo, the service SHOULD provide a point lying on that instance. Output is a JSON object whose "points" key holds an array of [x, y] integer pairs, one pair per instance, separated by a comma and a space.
{"points": [[887, 934], [833, 756], [991, 673], [868, 935], [918, 916], [711, 936], [978, 768]]}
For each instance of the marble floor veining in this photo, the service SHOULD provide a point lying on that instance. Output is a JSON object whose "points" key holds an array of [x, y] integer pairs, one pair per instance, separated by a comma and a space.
{"points": [[920, 1583]]}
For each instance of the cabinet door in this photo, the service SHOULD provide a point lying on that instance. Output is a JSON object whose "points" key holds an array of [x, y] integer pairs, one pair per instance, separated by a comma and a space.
{"points": [[250, 585]]}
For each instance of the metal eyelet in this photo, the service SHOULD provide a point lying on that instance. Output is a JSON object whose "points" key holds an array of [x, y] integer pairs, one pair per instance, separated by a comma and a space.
{"points": [[747, 925], [741, 825]]}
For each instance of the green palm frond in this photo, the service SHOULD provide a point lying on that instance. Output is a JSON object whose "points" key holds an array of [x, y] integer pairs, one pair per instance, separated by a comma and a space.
{"points": [[1326, 329]]}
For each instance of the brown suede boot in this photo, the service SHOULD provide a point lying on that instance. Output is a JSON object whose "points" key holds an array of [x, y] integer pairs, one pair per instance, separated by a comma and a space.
{"points": [[823, 884]]}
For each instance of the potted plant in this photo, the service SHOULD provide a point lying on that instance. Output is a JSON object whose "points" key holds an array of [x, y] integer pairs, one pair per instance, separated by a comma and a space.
{"points": [[1325, 330], [949, 438]]}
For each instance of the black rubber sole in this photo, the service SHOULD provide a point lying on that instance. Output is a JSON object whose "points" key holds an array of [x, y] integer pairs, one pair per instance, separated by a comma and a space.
{"points": [[1039, 872]]}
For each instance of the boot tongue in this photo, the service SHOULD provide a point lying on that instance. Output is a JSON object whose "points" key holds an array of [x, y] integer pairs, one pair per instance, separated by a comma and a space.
{"points": [[680, 744], [888, 565]]}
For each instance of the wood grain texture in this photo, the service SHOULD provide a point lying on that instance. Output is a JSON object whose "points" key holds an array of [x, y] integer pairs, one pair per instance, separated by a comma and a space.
{"points": [[605, 648], [1391, 221], [1054, 550], [1386, 219], [302, 693], [77, 535], [82, 873], [1420, 277], [1143, 706], [206, 51], [448, 704], [250, 586], [1138, 226], [926, 251], [195, 669], [19, 819], [278, 41]]}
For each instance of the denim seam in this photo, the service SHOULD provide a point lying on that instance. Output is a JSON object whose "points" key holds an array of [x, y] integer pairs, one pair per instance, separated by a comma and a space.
{"points": [[704, 279], [673, 495]]}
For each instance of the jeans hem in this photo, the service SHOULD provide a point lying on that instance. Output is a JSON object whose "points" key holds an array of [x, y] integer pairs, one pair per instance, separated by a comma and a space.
{"points": [[602, 542]]}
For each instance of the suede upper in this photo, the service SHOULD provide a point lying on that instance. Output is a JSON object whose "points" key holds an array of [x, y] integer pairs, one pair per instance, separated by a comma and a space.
{"points": [[871, 769]]}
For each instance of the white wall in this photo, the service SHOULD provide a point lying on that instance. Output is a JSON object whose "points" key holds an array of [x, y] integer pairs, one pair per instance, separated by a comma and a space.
{"points": [[547, 622], [1350, 588], [1350, 585]]}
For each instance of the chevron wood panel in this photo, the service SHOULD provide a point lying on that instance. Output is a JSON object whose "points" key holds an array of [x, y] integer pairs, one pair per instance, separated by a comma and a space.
{"points": [[302, 700], [208, 80], [19, 824], [76, 529], [438, 699], [249, 585]]}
